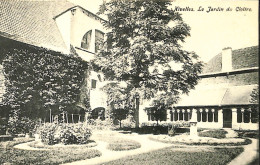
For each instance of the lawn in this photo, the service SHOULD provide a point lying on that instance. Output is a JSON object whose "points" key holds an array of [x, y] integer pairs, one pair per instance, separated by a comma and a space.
{"points": [[116, 141], [10, 155], [123, 144], [169, 156]]}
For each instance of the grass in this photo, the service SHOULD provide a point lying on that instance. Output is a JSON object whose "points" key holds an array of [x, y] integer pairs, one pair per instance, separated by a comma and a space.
{"points": [[38, 144], [116, 142], [123, 144], [198, 143], [219, 134], [255, 161], [168, 157], [248, 134], [10, 155]]}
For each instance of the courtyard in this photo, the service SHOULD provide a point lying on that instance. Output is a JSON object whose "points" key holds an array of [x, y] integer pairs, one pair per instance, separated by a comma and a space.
{"points": [[125, 147]]}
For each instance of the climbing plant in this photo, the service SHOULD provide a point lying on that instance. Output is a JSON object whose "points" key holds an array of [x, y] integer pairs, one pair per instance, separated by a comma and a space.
{"points": [[38, 80]]}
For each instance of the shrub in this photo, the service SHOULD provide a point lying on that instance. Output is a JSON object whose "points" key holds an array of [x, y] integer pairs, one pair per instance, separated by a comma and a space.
{"points": [[128, 123], [164, 127], [248, 134], [20, 126], [97, 124], [220, 134], [52, 133]]}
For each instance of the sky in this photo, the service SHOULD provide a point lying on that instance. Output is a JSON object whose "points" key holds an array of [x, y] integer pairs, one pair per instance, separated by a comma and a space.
{"points": [[211, 31]]}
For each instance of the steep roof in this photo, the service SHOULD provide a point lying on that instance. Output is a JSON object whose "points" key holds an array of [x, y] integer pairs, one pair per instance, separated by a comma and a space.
{"points": [[241, 58], [32, 22]]}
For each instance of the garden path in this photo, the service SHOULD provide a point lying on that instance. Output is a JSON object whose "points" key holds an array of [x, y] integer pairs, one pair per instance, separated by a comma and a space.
{"points": [[147, 145], [249, 154]]}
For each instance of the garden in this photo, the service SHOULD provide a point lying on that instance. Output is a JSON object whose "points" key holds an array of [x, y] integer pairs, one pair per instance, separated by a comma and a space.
{"points": [[60, 143], [94, 141], [44, 87]]}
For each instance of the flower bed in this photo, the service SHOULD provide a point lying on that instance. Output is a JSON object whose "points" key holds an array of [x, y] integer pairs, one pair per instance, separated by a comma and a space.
{"points": [[219, 134], [53, 133], [57, 155], [186, 139], [40, 145]]}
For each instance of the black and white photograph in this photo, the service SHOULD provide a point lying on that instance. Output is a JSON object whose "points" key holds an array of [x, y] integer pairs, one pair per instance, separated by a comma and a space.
{"points": [[129, 82]]}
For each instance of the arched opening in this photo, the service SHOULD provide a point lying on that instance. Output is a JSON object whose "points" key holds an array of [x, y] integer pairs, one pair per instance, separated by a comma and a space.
{"points": [[86, 40], [98, 113]]}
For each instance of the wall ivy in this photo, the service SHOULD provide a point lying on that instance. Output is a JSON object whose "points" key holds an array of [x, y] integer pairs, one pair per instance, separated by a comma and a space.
{"points": [[38, 80]]}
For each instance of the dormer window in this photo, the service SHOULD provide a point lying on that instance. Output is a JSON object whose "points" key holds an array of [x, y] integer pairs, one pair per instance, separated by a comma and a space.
{"points": [[86, 40]]}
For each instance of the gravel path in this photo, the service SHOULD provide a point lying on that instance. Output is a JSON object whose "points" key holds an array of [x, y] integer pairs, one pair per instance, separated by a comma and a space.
{"points": [[249, 154]]}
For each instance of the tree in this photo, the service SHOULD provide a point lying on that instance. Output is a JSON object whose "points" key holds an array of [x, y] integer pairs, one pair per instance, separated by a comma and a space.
{"points": [[120, 114], [255, 102], [143, 48], [120, 100], [158, 112]]}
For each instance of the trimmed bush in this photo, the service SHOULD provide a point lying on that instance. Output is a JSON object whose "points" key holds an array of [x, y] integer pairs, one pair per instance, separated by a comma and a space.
{"points": [[219, 134], [164, 127], [52, 133]]}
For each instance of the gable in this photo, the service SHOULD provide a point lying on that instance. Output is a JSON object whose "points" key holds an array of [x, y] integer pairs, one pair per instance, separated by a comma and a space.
{"points": [[32, 22]]}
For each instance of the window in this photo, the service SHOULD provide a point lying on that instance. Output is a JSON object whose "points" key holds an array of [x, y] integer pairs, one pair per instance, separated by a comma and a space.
{"points": [[93, 83], [99, 39], [86, 40], [85, 43]]}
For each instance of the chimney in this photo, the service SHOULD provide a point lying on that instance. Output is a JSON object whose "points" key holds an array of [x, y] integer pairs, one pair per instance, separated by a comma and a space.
{"points": [[226, 59]]}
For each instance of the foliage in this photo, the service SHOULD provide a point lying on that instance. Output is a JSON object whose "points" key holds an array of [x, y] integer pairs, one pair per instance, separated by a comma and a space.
{"points": [[3, 125], [21, 125], [164, 127], [123, 144], [255, 96], [181, 156], [220, 134], [143, 49], [255, 101], [176, 124], [248, 134], [53, 133], [128, 122], [120, 99], [9, 155], [98, 124], [119, 114], [38, 80]]}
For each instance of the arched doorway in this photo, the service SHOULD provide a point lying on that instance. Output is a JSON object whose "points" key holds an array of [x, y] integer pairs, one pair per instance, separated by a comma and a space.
{"points": [[98, 113]]}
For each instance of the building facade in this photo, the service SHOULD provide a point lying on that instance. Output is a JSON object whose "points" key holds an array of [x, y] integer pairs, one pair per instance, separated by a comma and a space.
{"points": [[59, 26], [222, 98]]}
